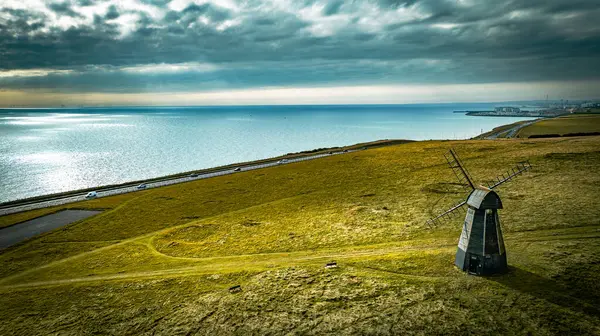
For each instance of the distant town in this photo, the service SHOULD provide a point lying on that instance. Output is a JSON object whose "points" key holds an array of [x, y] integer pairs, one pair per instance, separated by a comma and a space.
{"points": [[547, 109]]}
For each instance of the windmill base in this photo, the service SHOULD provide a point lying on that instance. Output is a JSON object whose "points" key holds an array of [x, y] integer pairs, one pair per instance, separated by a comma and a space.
{"points": [[477, 264]]}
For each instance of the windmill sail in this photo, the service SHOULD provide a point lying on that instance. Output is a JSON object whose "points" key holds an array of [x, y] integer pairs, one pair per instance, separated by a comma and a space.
{"points": [[459, 169], [446, 214], [463, 176], [514, 172]]}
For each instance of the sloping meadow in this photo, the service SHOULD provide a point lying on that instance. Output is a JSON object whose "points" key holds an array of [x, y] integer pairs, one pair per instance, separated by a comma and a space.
{"points": [[162, 262]]}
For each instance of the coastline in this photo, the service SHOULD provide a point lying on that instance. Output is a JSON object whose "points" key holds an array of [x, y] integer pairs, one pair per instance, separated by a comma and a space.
{"points": [[146, 143], [507, 131], [492, 134], [129, 184]]}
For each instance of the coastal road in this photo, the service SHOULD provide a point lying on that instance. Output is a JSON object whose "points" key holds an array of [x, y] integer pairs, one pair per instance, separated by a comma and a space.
{"points": [[10, 209], [511, 132], [17, 233]]}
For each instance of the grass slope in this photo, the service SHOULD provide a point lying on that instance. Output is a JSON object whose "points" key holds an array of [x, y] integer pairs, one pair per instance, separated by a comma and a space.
{"points": [[160, 262], [569, 124]]}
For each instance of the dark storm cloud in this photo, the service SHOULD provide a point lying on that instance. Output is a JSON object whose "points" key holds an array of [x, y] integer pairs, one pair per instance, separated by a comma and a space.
{"points": [[85, 2], [112, 13], [332, 7], [160, 3], [303, 43], [63, 8]]}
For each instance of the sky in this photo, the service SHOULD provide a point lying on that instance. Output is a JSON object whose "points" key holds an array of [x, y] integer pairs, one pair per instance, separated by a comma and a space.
{"points": [[194, 52]]}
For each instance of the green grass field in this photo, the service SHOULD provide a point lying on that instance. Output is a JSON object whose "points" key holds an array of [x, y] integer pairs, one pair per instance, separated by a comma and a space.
{"points": [[161, 261], [576, 123]]}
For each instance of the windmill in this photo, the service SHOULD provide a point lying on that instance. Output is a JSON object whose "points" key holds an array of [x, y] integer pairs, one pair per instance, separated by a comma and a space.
{"points": [[481, 246]]}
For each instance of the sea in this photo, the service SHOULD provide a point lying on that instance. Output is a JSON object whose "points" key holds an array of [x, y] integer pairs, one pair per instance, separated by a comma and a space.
{"points": [[46, 151]]}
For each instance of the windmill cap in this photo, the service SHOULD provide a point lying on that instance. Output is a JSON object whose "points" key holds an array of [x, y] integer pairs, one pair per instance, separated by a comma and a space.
{"points": [[484, 198]]}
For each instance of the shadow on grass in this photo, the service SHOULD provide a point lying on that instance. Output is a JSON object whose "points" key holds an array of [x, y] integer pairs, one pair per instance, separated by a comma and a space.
{"points": [[546, 289]]}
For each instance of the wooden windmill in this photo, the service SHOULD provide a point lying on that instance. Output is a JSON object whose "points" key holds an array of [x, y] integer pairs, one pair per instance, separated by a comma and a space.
{"points": [[481, 246]]}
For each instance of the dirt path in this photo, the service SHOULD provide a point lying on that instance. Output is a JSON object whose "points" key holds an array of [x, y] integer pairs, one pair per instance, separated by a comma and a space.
{"points": [[261, 261], [212, 265]]}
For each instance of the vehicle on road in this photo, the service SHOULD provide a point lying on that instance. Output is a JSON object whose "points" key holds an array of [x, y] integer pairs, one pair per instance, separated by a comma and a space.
{"points": [[237, 169], [142, 186], [91, 194], [193, 175], [282, 161]]}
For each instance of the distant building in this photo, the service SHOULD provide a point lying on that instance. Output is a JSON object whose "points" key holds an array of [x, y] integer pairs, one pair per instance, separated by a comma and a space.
{"points": [[508, 109]]}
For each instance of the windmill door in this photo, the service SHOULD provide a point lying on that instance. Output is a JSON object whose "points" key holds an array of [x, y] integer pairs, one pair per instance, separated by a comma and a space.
{"points": [[474, 264]]}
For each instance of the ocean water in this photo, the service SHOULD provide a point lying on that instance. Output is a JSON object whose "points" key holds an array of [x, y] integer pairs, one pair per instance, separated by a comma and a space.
{"points": [[44, 151]]}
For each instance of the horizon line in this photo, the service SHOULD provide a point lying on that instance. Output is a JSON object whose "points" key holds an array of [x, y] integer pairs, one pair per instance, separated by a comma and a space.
{"points": [[298, 104]]}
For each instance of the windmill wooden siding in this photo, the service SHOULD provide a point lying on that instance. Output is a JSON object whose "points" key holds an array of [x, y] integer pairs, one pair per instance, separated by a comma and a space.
{"points": [[481, 246]]}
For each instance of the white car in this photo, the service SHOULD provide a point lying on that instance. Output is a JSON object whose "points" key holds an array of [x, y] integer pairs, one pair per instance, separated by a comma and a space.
{"points": [[142, 186], [91, 194], [237, 169]]}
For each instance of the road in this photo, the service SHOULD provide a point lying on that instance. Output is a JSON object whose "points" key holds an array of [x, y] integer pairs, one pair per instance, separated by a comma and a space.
{"points": [[17, 233], [511, 132], [10, 209]]}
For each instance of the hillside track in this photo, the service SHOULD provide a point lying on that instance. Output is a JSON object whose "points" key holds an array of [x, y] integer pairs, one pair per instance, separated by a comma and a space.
{"points": [[262, 261]]}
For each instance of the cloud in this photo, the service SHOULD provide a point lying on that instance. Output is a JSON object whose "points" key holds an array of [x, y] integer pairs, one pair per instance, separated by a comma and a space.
{"points": [[112, 13], [33, 73], [185, 45], [332, 7], [63, 8], [170, 68]]}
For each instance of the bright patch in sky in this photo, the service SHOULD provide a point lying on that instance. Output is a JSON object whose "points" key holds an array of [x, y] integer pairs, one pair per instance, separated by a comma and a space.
{"points": [[33, 72], [171, 68]]}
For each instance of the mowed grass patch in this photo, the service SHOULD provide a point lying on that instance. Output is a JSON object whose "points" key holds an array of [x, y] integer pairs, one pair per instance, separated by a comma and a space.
{"points": [[137, 259]]}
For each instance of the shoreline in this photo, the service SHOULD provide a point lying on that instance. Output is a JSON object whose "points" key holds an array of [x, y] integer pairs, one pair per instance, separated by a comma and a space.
{"points": [[508, 131], [302, 154], [176, 176]]}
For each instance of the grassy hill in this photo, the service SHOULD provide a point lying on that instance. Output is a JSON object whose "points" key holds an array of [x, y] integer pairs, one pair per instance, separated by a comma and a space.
{"points": [[161, 261], [574, 124]]}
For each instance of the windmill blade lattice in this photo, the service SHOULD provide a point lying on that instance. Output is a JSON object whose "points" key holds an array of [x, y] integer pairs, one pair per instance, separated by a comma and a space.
{"points": [[520, 169], [450, 213], [459, 169]]}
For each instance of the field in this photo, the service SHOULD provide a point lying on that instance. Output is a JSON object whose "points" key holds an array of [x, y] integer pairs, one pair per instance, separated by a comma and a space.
{"points": [[161, 261], [561, 126]]}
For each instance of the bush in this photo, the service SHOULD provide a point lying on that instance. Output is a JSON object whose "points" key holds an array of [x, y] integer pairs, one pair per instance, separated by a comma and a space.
{"points": [[543, 136]]}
